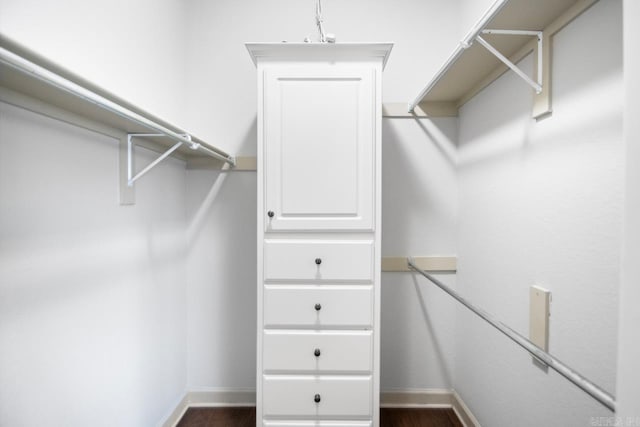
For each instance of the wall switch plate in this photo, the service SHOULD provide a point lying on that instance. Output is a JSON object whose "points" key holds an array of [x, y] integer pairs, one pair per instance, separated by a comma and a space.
{"points": [[539, 313]]}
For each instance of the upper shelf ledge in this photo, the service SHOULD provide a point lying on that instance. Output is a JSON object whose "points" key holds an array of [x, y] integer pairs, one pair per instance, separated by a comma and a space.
{"points": [[334, 51], [28, 73], [473, 66]]}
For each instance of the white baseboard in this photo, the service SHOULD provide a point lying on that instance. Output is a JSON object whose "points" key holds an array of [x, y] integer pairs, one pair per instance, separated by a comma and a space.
{"points": [[177, 413], [423, 398], [463, 412], [211, 398], [221, 397], [416, 398], [429, 398]]}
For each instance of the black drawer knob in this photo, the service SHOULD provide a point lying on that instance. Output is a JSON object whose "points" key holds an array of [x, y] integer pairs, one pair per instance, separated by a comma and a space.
{"points": [[318, 261], [316, 352], [270, 214], [318, 307], [316, 398]]}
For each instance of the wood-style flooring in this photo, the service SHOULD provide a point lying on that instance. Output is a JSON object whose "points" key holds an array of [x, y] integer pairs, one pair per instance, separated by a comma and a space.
{"points": [[389, 417]]}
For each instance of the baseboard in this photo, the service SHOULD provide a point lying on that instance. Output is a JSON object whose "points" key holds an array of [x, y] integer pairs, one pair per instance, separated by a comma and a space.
{"points": [[416, 398], [462, 411], [210, 398], [222, 397], [177, 413], [422, 398], [429, 398]]}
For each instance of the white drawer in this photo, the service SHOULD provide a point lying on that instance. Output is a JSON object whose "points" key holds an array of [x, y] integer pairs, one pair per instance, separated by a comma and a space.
{"points": [[317, 424], [294, 396], [318, 306], [322, 260], [319, 352]]}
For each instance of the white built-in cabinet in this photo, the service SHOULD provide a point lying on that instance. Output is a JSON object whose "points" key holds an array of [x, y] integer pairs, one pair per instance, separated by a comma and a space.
{"points": [[318, 154], [318, 347]]}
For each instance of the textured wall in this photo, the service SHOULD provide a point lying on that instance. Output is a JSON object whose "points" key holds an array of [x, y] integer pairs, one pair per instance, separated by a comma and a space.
{"points": [[135, 49], [628, 393], [541, 203], [92, 295], [92, 300]]}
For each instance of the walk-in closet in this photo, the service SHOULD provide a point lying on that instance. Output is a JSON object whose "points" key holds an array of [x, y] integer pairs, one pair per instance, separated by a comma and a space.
{"points": [[319, 213]]}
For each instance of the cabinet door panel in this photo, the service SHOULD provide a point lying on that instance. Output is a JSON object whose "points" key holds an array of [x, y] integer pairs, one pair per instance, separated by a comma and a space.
{"points": [[319, 148]]}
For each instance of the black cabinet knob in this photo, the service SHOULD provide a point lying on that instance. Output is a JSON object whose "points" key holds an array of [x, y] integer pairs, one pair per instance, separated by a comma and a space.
{"points": [[318, 261], [316, 352], [316, 398], [270, 214], [318, 307]]}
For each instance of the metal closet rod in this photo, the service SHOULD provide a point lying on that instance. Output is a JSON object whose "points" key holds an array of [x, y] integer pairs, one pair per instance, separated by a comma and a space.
{"points": [[583, 383], [462, 46], [30, 68]]}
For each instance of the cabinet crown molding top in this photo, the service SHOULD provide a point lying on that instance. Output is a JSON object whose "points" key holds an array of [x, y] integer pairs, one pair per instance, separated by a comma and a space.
{"points": [[319, 51]]}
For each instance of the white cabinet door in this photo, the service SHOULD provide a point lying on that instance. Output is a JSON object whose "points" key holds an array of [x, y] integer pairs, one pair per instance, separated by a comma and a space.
{"points": [[319, 140]]}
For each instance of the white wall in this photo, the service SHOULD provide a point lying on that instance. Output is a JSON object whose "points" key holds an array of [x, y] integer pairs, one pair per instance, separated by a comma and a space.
{"points": [[221, 275], [92, 295], [419, 217], [92, 300], [541, 203], [134, 49], [418, 182], [628, 393], [470, 13]]}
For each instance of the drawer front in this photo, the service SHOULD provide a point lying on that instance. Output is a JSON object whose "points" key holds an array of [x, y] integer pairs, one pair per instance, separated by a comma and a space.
{"points": [[317, 352], [325, 306], [294, 396], [286, 260], [317, 424]]}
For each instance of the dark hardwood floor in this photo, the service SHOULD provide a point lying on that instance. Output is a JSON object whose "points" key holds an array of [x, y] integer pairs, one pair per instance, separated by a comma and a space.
{"points": [[223, 417], [389, 417], [432, 417]]}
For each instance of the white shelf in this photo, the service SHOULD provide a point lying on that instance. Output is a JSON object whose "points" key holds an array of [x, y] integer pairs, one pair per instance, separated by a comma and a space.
{"points": [[471, 67], [31, 85]]}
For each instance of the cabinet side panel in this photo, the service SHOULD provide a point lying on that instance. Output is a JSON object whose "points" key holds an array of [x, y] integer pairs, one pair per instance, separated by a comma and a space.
{"points": [[260, 215]]}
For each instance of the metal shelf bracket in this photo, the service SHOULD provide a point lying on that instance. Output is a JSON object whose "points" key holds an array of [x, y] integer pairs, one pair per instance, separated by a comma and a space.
{"points": [[131, 178], [536, 85], [543, 30]]}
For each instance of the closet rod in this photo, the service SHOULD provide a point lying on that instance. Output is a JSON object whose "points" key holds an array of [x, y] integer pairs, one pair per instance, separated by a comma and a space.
{"points": [[51, 78], [464, 44], [583, 383]]}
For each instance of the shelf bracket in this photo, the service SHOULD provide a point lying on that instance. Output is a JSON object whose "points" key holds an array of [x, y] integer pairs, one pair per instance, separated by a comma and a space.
{"points": [[536, 85], [131, 178]]}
